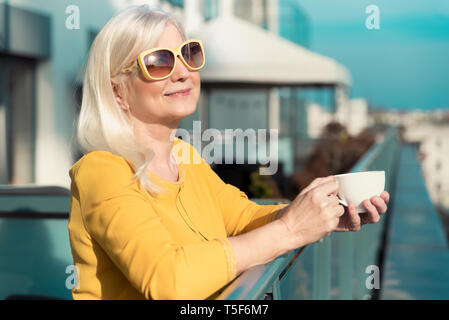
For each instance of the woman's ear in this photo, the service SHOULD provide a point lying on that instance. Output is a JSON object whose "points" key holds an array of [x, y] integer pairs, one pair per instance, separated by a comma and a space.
{"points": [[118, 94]]}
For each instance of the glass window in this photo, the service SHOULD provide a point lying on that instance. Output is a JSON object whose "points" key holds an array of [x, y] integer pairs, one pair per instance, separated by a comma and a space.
{"points": [[238, 109], [17, 112]]}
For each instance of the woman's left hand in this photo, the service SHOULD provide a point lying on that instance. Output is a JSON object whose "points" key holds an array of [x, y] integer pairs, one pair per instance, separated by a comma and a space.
{"points": [[353, 221]]}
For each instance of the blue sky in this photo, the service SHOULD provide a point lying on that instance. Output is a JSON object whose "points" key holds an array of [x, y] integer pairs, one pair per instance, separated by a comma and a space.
{"points": [[403, 65]]}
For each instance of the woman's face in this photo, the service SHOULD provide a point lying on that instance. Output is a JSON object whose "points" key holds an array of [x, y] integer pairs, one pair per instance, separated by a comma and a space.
{"points": [[153, 101]]}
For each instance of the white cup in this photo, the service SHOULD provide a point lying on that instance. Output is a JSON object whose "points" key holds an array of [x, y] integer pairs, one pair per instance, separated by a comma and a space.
{"points": [[359, 186]]}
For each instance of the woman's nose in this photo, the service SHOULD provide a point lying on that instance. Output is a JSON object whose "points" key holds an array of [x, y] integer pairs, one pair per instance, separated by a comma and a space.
{"points": [[181, 73]]}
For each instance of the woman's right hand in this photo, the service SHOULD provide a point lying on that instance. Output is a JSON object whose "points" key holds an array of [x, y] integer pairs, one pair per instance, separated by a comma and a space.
{"points": [[313, 214]]}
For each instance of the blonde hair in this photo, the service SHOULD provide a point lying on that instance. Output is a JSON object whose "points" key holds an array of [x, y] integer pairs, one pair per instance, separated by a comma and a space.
{"points": [[102, 124]]}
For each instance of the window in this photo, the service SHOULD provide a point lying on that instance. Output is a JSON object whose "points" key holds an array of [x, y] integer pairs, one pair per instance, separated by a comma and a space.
{"points": [[17, 119]]}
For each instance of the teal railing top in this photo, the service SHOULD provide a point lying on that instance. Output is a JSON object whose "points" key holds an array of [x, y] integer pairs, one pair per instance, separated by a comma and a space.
{"points": [[342, 280]]}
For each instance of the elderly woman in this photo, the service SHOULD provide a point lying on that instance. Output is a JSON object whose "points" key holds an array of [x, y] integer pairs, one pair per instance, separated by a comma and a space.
{"points": [[145, 224]]}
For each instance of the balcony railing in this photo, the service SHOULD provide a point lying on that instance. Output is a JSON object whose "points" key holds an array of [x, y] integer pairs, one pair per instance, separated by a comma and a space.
{"points": [[333, 268], [337, 266]]}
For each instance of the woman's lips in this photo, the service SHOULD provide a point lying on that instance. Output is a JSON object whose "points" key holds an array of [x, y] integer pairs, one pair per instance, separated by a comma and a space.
{"points": [[180, 93]]}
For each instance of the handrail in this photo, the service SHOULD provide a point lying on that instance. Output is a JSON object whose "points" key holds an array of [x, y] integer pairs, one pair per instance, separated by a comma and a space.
{"points": [[263, 281], [257, 281]]}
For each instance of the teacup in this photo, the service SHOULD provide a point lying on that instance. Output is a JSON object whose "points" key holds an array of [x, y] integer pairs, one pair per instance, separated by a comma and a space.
{"points": [[359, 186]]}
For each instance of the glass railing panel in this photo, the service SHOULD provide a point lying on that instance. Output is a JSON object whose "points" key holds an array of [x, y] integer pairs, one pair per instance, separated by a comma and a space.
{"points": [[336, 266]]}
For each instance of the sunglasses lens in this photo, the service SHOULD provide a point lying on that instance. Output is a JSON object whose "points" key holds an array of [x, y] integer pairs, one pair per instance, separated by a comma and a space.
{"points": [[159, 63], [192, 54]]}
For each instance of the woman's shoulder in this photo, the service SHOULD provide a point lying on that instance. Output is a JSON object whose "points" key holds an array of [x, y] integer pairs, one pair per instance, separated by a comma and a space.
{"points": [[102, 165]]}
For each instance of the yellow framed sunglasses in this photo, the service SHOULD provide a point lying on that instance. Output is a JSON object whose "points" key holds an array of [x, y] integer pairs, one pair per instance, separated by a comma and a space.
{"points": [[160, 63]]}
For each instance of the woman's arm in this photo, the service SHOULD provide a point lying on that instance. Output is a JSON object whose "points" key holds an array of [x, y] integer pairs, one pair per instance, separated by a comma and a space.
{"points": [[260, 245], [311, 216]]}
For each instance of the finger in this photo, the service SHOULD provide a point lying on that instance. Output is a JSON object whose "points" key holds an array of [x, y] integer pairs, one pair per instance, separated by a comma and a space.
{"points": [[385, 196], [322, 180], [328, 188], [312, 185], [354, 218], [365, 219], [372, 216], [379, 203], [323, 204], [316, 182], [336, 222], [339, 210], [332, 201]]}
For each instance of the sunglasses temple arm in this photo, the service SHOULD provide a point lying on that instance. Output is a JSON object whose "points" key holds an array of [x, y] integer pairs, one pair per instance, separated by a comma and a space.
{"points": [[130, 68]]}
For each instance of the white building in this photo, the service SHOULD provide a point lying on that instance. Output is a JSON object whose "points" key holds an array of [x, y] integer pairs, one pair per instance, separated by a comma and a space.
{"points": [[434, 149], [353, 114], [317, 119]]}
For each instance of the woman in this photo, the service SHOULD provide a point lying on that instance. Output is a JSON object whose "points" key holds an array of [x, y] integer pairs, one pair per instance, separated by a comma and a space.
{"points": [[146, 222]]}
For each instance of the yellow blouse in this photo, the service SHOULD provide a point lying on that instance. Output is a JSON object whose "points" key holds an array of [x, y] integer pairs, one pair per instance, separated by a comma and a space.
{"points": [[128, 244]]}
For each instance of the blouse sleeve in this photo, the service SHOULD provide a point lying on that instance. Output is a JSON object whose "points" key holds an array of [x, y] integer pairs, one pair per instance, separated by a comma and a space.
{"points": [[122, 220], [239, 213]]}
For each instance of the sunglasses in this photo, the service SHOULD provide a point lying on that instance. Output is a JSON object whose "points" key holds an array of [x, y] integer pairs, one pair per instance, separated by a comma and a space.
{"points": [[160, 63]]}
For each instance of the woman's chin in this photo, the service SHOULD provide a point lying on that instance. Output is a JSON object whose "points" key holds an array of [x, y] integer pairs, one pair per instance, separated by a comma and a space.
{"points": [[184, 110]]}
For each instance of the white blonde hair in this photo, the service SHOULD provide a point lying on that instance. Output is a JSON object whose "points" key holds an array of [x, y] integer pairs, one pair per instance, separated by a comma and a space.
{"points": [[102, 123]]}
